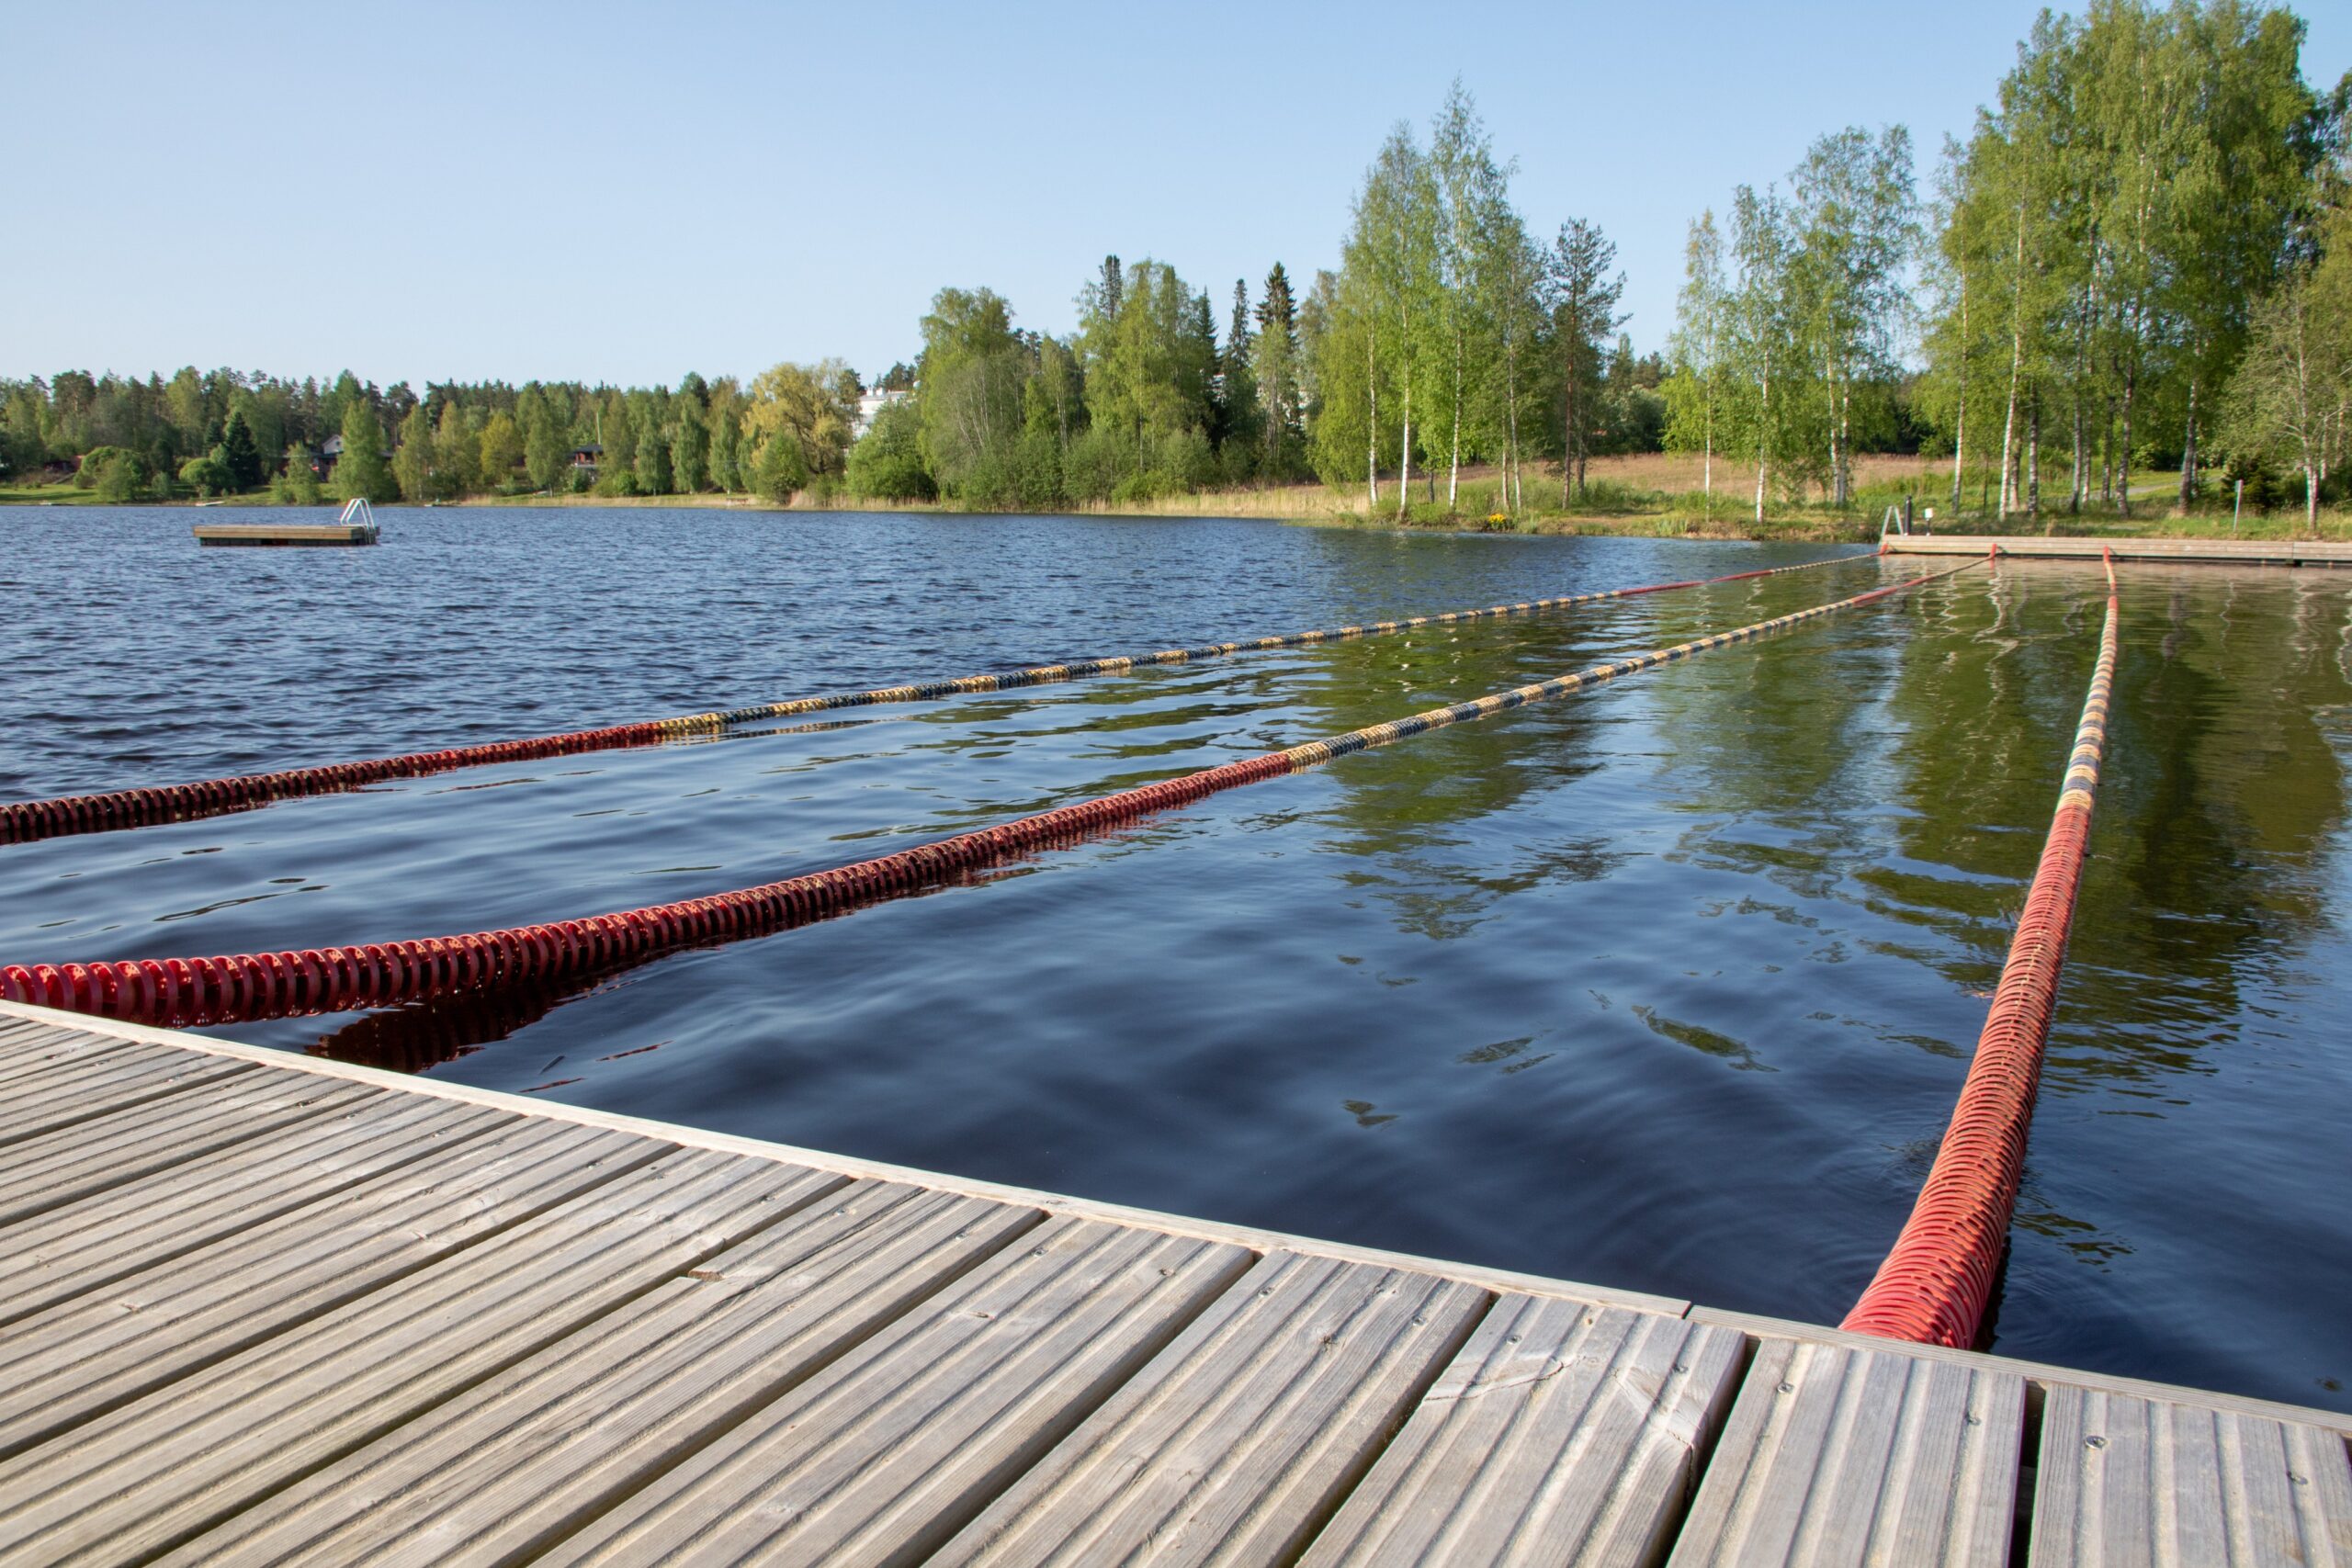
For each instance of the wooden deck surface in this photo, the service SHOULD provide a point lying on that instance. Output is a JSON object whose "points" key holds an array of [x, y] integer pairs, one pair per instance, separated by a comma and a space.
{"points": [[2243, 552], [259, 1308], [284, 533]]}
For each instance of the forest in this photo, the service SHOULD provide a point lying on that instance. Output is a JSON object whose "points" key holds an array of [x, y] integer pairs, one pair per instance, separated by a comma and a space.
{"points": [[2129, 287]]}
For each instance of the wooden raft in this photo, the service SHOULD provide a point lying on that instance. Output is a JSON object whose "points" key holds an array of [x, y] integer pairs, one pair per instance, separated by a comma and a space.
{"points": [[284, 533], [2238, 552], [260, 1308]]}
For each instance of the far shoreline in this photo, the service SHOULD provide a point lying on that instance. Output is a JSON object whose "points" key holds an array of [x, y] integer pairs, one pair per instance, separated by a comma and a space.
{"points": [[1315, 506]]}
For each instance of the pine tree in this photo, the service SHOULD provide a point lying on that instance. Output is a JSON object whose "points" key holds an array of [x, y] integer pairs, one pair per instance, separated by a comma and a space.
{"points": [[1241, 435], [1584, 314], [1111, 289], [1274, 362], [1202, 372], [238, 451]]}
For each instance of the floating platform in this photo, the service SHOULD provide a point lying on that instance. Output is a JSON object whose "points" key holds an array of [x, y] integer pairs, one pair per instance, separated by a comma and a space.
{"points": [[284, 533], [260, 1308], [2237, 552]]}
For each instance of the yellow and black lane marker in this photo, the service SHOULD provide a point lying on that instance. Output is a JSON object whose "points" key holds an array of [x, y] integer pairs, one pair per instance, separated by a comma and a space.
{"points": [[184, 991], [24, 821]]}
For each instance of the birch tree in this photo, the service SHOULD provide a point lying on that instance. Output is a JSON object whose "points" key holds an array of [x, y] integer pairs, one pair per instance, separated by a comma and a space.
{"points": [[2117, 212], [1853, 212], [1513, 268], [1694, 391], [1469, 188], [1397, 250], [2287, 398], [1760, 340], [1340, 328], [1378, 336]]}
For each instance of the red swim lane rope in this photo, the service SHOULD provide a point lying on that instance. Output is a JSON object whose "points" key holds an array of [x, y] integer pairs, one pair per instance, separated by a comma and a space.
{"points": [[1934, 1285], [26, 821], [183, 991]]}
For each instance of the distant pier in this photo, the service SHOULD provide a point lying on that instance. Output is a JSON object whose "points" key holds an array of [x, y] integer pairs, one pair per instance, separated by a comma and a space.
{"points": [[260, 1307], [2237, 552]]}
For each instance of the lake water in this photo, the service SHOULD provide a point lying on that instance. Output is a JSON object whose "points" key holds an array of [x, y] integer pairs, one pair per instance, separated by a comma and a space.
{"points": [[1669, 985]]}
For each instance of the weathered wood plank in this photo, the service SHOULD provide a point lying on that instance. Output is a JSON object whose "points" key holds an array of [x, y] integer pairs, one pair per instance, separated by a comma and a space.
{"points": [[886, 1453], [79, 1358], [142, 1478], [1560, 1434], [530, 1455], [242, 1334], [30, 1049], [2037, 1373], [104, 1089], [48, 1058], [1235, 1443], [18, 1033], [40, 1173], [2128, 1483], [1499, 1281], [1833, 1455], [86, 1243]]}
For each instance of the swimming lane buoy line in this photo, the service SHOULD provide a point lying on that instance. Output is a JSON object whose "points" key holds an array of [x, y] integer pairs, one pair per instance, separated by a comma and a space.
{"points": [[26, 822], [180, 992], [1935, 1284]]}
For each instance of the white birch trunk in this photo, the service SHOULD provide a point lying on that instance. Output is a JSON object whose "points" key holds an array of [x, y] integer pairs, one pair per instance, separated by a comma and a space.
{"points": [[2189, 452], [1959, 417], [1510, 420], [2123, 448], [2016, 360], [1405, 452], [1453, 475], [2034, 455], [1707, 463]]}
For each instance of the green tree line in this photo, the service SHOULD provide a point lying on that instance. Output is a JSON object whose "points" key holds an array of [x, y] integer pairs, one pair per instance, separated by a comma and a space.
{"points": [[2140, 259]]}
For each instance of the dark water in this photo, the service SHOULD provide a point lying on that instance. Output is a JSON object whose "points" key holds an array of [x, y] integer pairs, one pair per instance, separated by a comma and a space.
{"points": [[1667, 987]]}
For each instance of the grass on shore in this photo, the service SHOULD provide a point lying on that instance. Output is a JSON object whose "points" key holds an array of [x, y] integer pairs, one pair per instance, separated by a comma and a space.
{"points": [[1662, 495], [47, 495]]}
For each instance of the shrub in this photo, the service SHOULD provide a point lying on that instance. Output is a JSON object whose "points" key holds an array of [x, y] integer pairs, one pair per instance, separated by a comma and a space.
{"points": [[118, 473], [209, 475]]}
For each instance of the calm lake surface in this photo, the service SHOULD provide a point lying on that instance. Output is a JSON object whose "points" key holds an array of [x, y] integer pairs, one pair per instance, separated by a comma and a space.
{"points": [[1667, 987]]}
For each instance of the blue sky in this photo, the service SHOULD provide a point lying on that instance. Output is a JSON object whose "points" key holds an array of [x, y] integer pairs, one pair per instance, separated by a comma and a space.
{"points": [[626, 192]]}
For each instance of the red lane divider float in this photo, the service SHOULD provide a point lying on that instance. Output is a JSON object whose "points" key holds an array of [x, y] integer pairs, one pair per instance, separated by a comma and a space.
{"points": [[1935, 1284], [184, 991], [26, 821]]}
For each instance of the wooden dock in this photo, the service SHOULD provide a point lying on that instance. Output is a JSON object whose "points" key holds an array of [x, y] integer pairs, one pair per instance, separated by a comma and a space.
{"points": [[2239, 552], [262, 1308], [284, 533]]}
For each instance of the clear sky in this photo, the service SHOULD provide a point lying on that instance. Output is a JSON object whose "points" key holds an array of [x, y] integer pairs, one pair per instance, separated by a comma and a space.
{"points": [[627, 193]]}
